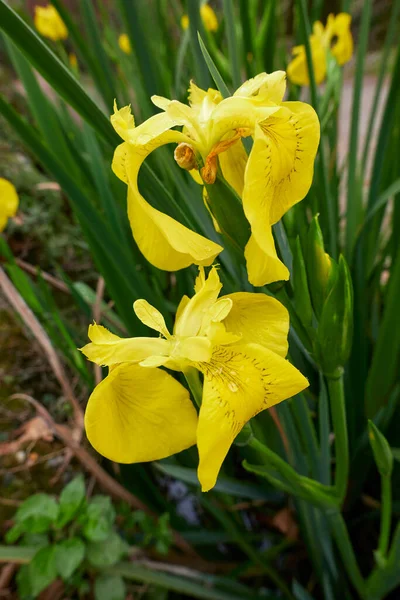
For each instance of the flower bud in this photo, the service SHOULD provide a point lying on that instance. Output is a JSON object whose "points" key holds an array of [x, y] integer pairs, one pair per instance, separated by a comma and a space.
{"points": [[185, 156], [382, 453], [335, 329], [321, 268]]}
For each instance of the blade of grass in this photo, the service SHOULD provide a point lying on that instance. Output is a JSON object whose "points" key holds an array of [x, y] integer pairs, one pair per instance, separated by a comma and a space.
{"points": [[389, 39], [354, 197], [95, 42], [215, 74], [329, 208], [233, 42], [196, 28], [54, 71]]}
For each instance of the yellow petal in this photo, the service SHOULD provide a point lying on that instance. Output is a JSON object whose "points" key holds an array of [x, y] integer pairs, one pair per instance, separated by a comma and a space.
{"points": [[197, 348], [264, 87], [191, 317], [233, 164], [109, 349], [278, 174], [137, 414], [262, 262], [297, 70], [49, 23], [182, 304], [236, 113], [8, 202], [164, 242], [259, 319], [151, 317], [239, 382], [342, 49], [123, 121], [184, 22]]}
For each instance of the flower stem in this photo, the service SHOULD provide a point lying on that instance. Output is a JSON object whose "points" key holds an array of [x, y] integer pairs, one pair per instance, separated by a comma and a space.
{"points": [[386, 515], [311, 490], [194, 383], [338, 410], [341, 536]]}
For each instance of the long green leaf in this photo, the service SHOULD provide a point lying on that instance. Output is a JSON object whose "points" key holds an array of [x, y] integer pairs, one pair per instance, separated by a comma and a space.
{"points": [[54, 71]]}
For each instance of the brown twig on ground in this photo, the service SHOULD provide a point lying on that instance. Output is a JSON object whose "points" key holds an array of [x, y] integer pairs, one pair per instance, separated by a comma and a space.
{"points": [[32, 270], [20, 306], [6, 575]]}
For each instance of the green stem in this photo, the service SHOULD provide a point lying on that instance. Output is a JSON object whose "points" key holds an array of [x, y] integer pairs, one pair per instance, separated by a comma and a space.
{"points": [[341, 536], [314, 491], [193, 380], [338, 411], [386, 515]]}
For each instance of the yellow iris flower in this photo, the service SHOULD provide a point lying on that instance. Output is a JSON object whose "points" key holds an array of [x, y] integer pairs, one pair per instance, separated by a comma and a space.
{"points": [[49, 23], [8, 202], [208, 17], [238, 342], [124, 43], [335, 39], [273, 177]]}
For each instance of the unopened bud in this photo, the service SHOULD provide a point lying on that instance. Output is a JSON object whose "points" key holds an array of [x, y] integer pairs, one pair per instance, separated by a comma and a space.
{"points": [[321, 268], [335, 329], [382, 452], [185, 156]]}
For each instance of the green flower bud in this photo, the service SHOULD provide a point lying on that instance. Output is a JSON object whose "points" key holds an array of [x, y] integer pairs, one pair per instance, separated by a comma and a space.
{"points": [[335, 329], [302, 299], [321, 268], [382, 453]]}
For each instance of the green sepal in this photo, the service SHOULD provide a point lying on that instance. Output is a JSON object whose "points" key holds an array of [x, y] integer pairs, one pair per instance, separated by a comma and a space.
{"points": [[244, 436], [335, 329], [382, 452]]}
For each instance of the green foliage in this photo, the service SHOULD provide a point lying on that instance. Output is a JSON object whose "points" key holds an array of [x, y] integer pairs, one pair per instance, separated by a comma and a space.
{"points": [[109, 587]]}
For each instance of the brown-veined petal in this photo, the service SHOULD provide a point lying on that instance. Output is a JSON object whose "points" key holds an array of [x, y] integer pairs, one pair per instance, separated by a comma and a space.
{"points": [[239, 382], [258, 319]]}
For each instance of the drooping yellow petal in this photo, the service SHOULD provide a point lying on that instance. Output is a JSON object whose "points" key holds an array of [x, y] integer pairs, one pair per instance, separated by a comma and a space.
{"points": [[137, 414], [49, 23], [8, 202], [297, 69], [108, 349], [191, 318], [342, 48], [264, 87], [278, 174], [239, 382], [151, 317], [165, 243], [258, 319], [262, 262]]}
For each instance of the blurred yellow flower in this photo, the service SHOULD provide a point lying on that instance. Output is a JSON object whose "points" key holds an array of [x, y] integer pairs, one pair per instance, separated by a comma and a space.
{"points": [[49, 23], [208, 17], [8, 202], [335, 39], [238, 342], [124, 43], [73, 61], [273, 177]]}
